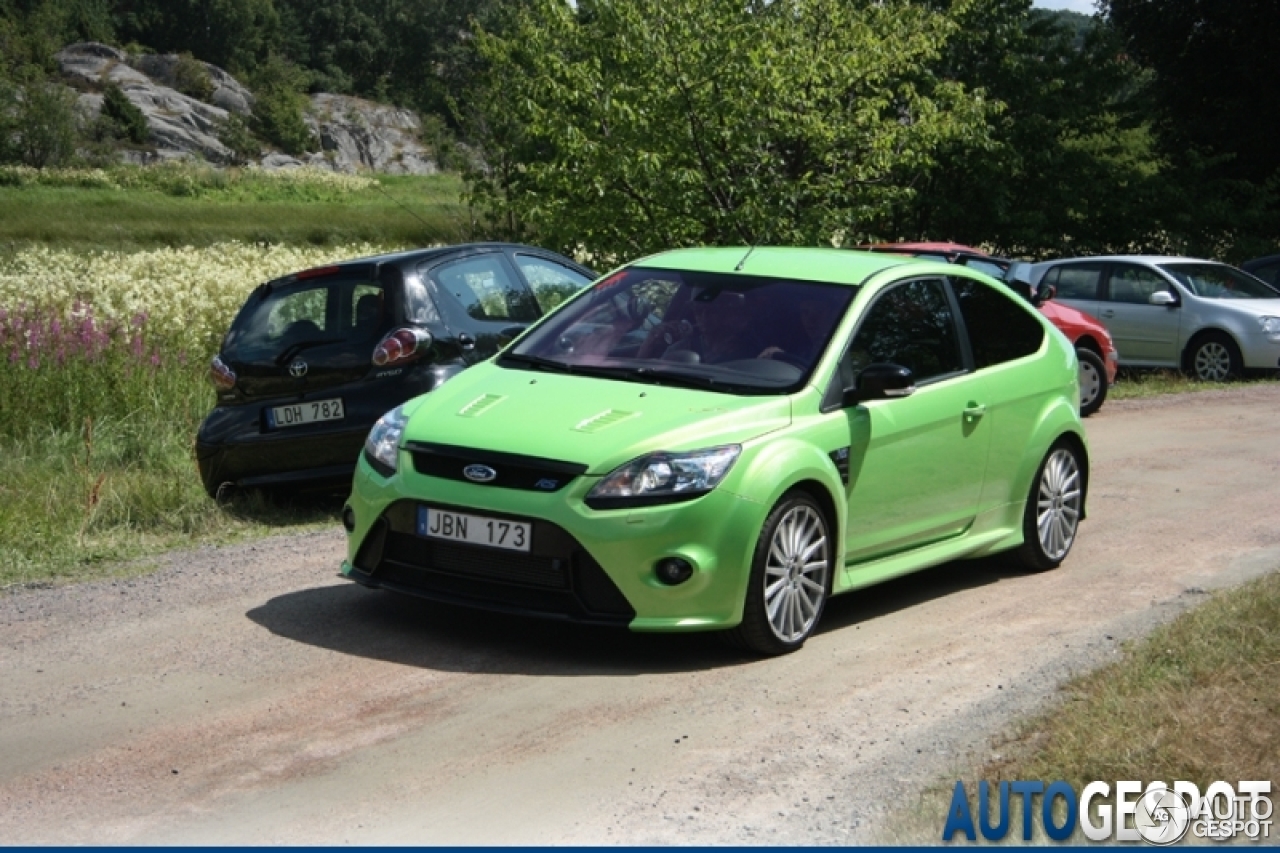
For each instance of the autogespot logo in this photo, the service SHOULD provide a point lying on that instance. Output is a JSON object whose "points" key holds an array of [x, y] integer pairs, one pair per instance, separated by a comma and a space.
{"points": [[1157, 814]]}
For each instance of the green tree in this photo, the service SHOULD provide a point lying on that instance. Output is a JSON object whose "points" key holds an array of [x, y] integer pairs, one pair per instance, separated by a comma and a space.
{"points": [[279, 103], [1215, 87], [232, 34], [1070, 166], [39, 122], [624, 126]]}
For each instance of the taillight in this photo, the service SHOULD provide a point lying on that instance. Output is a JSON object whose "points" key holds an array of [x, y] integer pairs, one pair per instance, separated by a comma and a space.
{"points": [[401, 346], [222, 377]]}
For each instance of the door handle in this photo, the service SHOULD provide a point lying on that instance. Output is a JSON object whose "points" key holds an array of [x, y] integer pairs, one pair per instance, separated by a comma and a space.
{"points": [[1108, 313], [466, 341], [973, 411]]}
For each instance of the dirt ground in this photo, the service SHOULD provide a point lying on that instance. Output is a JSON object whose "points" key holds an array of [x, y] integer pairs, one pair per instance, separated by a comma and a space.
{"points": [[248, 695]]}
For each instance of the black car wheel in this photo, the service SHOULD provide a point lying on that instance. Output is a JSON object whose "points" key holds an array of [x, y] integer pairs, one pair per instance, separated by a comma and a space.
{"points": [[1093, 381], [790, 578]]}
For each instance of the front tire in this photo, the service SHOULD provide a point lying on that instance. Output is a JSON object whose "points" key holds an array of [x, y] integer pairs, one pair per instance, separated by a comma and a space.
{"points": [[1093, 381], [1214, 357], [1054, 507], [790, 578]]}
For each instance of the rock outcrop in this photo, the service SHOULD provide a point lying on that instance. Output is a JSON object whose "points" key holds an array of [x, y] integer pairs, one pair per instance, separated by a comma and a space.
{"points": [[354, 134]]}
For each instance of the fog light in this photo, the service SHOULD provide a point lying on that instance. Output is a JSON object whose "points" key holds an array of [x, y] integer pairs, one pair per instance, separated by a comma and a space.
{"points": [[673, 570], [348, 518]]}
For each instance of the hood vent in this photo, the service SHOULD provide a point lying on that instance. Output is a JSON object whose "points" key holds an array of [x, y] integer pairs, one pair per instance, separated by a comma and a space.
{"points": [[604, 420], [480, 405]]}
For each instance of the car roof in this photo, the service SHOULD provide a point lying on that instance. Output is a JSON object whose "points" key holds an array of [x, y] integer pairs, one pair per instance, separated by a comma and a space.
{"points": [[1135, 259], [944, 248], [836, 266], [1258, 262], [411, 255]]}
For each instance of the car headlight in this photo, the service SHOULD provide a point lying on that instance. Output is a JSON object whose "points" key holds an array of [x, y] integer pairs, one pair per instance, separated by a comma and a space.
{"points": [[382, 447], [657, 478], [1270, 327]]}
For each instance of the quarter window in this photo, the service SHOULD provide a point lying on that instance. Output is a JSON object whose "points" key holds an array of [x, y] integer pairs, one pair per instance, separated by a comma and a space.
{"points": [[912, 325], [999, 328]]}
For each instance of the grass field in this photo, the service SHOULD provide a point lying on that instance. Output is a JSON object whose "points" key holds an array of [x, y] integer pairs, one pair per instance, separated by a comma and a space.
{"points": [[129, 209]]}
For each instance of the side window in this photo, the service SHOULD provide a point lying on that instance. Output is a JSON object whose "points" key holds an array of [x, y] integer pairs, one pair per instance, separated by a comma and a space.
{"points": [[1077, 281], [999, 328], [552, 282], [485, 289], [1133, 285], [910, 324]]}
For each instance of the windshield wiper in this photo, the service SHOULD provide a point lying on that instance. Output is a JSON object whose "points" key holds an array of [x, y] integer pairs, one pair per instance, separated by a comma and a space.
{"points": [[671, 377], [293, 349], [536, 361]]}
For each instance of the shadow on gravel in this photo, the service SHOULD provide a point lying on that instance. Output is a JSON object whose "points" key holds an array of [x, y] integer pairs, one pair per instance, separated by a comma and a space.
{"points": [[414, 632]]}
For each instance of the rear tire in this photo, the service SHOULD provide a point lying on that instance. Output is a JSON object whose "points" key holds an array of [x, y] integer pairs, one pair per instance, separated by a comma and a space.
{"points": [[790, 578], [1214, 357], [1054, 506], [1093, 381]]}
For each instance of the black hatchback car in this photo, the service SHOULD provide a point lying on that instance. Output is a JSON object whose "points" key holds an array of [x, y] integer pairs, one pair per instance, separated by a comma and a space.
{"points": [[313, 359]]}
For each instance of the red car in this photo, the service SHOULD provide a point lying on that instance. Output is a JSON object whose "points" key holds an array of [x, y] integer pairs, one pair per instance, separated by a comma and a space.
{"points": [[1094, 347]]}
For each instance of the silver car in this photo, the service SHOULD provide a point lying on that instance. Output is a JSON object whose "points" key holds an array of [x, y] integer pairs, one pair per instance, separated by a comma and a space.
{"points": [[1206, 318]]}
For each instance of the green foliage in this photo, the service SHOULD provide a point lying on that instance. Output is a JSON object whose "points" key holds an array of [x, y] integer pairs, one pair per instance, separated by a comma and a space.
{"points": [[631, 125], [278, 107], [39, 122], [235, 134], [232, 34], [121, 117], [192, 78]]}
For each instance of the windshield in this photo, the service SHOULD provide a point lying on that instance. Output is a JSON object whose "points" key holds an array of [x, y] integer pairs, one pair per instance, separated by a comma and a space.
{"points": [[738, 334], [1219, 281]]}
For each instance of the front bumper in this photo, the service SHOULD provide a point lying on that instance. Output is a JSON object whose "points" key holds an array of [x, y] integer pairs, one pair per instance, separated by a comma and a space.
{"points": [[584, 565]]}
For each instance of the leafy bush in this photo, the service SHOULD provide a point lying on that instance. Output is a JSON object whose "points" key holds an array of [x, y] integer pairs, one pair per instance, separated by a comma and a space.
{"points": [[235, 134], [121, 118], [190, 77], [278, 106]]}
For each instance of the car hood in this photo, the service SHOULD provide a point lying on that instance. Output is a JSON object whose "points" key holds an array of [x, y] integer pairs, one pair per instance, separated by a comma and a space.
{"points": [[1252, 307], [600, 423]]}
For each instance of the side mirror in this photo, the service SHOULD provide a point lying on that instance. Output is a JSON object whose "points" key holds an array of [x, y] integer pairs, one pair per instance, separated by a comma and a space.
{"points": [[1163, 297], [880, 381], [509, 334]]}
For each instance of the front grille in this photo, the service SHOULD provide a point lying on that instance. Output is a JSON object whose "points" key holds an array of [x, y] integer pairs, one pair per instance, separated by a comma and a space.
{"points": [[557, 578], [509, 470]]}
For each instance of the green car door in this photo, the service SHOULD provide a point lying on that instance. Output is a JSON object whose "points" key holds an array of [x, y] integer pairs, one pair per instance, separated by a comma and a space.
{"points": [[916, 461]]}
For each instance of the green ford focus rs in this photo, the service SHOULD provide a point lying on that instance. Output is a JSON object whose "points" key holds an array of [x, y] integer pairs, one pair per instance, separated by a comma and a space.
{"points": [[722, 438]]}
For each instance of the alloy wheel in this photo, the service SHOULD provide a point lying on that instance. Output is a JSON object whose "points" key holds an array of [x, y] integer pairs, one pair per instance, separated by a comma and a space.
{"points": [[795, 573], [1213, 362], [1058, 504], [1090, 384]]}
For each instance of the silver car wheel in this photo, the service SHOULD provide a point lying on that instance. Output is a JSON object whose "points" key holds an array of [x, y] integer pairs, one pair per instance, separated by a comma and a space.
{"points": [[1058, 505], [1213, 362], [795, 573], [1090, 384]]}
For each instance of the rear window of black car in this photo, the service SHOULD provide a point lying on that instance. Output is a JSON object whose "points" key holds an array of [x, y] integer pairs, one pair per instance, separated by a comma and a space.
{"points": [[312, 312]]}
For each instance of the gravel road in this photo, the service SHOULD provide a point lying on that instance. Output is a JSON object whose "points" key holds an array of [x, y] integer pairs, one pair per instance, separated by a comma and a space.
{"points": [[248, 695]]}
